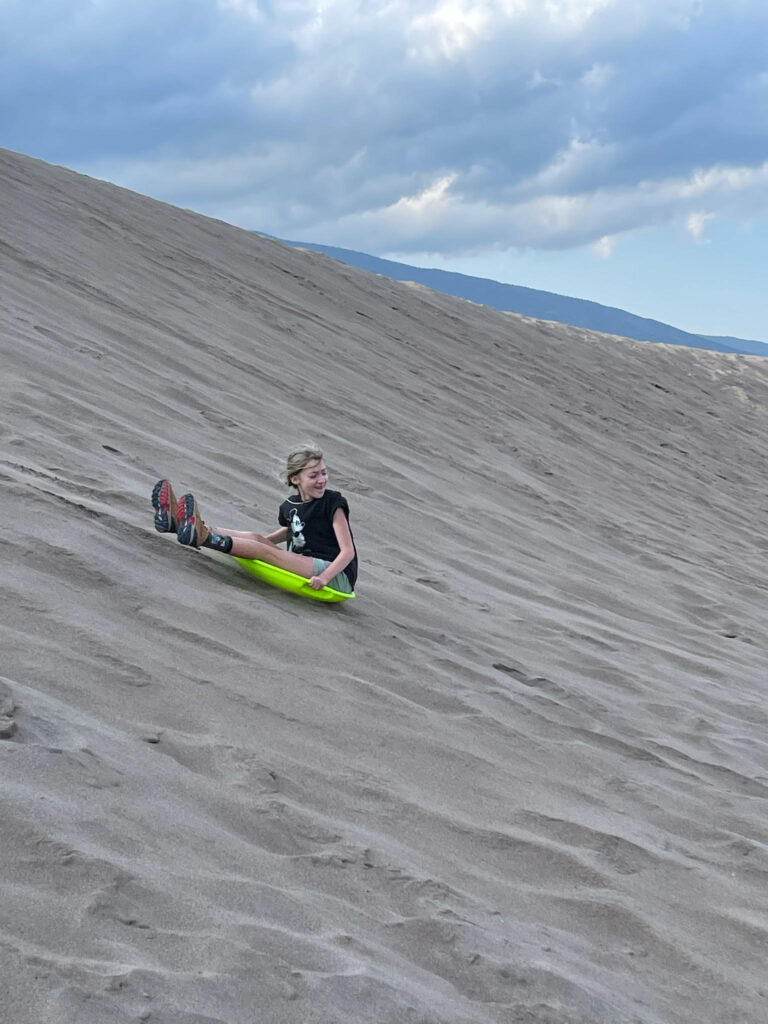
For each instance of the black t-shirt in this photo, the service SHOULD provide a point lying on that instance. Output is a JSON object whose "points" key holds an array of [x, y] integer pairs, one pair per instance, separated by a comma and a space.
{"points": [[310, 528]]}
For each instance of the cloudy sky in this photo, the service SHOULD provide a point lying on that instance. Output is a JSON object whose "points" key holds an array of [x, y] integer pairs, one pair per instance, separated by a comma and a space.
{"points": [[615, 150]]}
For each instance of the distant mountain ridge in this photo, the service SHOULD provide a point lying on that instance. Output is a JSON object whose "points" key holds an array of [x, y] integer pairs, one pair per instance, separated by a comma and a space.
{"points": [[539, 304]]}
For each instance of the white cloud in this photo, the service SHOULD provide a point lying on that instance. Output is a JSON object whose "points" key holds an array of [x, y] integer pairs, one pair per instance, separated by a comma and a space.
{"points": [[442, 125], [441, 220], [429, 199], [251, 8], [567, 168], [697, 224], [448, 29], [604, 246], [598, 76], [574, 12]]}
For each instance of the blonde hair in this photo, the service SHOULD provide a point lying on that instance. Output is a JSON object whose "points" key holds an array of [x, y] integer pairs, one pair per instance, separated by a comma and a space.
{"points": [[299, 460]]}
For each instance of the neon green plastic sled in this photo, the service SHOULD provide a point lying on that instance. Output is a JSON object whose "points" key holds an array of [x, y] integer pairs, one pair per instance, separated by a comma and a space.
{"points": [[286, 580]]}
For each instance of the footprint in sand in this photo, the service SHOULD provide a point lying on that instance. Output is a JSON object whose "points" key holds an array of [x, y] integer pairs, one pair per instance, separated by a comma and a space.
{"points": [[433, 584], [7, 709]]}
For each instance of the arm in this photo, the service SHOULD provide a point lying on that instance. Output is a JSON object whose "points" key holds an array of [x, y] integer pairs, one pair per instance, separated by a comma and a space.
{"points": [[345, 555], [277, 536]]}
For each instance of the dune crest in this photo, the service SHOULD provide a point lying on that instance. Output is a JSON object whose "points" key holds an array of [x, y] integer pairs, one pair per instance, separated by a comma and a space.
{"points": [[522, 778]]}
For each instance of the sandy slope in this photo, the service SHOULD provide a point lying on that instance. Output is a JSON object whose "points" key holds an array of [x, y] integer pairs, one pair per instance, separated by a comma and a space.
{"points": [[522, 778]]}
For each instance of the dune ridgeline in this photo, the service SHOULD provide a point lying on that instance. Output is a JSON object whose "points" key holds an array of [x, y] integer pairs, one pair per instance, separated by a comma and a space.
{"points": [[521, 779]]}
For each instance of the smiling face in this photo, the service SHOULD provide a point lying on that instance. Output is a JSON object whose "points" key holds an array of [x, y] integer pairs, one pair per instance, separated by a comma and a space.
{"points": [[312, 480]]}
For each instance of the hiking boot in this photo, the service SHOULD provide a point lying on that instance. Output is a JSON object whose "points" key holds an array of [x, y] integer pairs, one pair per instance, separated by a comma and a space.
{"points": [[191, 531], [164, 504]]}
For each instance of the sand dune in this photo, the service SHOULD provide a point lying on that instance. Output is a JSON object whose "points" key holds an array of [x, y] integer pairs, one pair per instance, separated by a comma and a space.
{"points": [[522, 778]]}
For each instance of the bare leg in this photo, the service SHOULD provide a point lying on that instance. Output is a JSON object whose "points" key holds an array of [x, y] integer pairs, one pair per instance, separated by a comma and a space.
{"points": [[243, 535], [266, 551], [194, 532]]}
